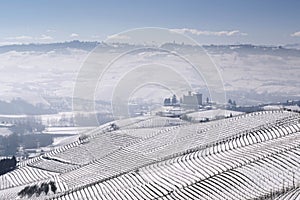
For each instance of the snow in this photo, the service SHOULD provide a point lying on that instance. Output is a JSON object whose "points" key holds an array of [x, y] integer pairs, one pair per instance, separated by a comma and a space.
{"points": [[67, 130], [293, 108], [273, 107], [5, 131], [61, 141], [212, 114]]}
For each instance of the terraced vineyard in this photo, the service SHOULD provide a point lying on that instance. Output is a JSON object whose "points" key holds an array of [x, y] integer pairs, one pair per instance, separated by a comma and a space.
{"points": [[250, 156]]}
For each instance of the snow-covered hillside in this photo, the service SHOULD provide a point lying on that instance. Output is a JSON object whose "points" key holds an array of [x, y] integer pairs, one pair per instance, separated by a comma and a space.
{"points": [[248, 156]]}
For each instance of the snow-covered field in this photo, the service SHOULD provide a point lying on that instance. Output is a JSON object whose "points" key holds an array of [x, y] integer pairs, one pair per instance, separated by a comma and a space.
{"points": [[4, 131], [31, 74], [212, 114], [66, 130]]}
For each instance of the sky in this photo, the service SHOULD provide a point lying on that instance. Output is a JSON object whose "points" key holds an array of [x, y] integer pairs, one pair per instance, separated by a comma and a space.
{"points": [[266, 22]]}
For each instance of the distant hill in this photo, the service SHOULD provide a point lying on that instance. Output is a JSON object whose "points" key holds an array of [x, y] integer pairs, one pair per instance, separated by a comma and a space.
{"points": [[252, 74], [75, 44], [293, 46], [90, 45], [19, 106]]}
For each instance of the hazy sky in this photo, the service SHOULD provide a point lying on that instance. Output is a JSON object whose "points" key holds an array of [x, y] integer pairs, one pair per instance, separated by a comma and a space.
{"points": [[207, 21]]}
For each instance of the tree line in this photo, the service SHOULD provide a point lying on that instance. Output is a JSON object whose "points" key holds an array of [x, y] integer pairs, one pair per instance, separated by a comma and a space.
{"points": [[38, 190], [7, 165]]}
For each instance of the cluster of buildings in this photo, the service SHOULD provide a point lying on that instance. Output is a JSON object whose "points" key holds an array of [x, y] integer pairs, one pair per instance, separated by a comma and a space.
{"points": [[175, 108], [189, 101]]}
